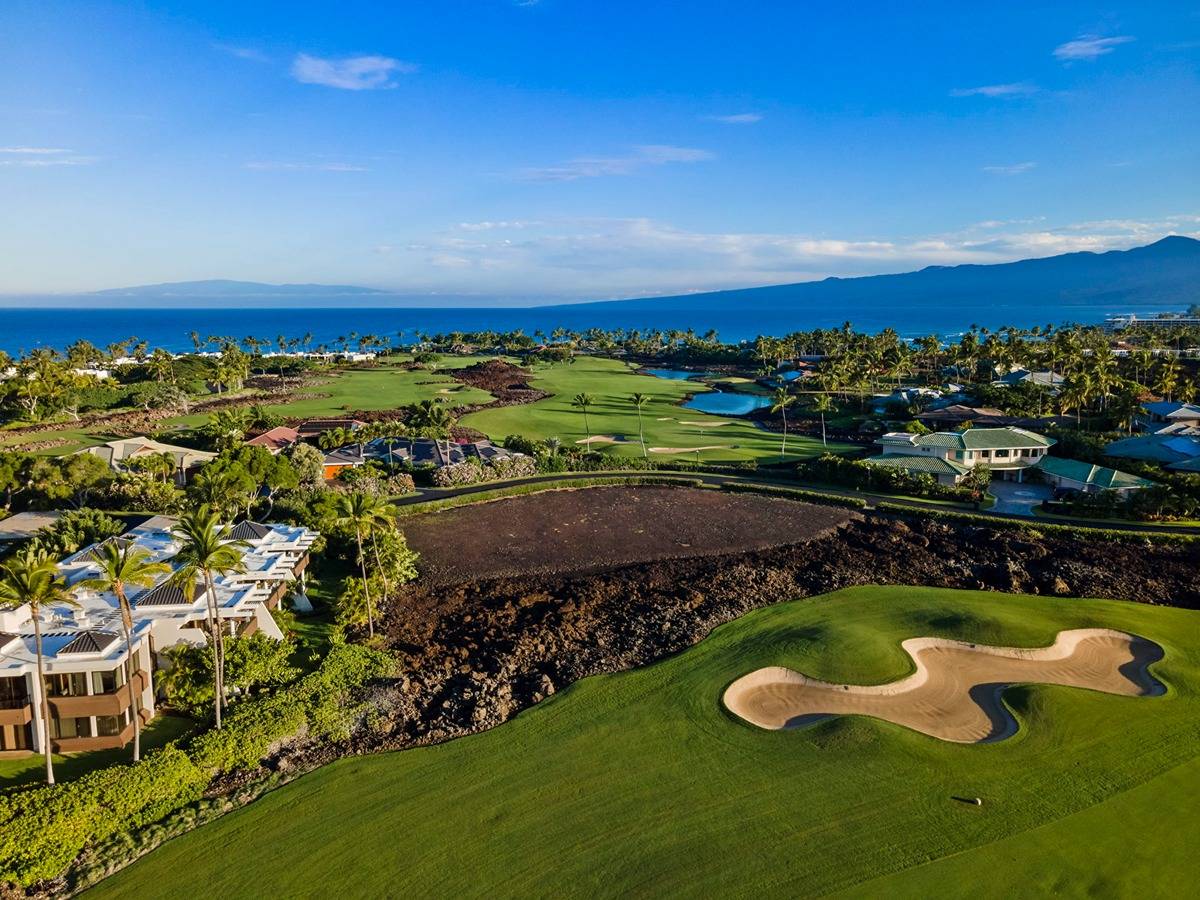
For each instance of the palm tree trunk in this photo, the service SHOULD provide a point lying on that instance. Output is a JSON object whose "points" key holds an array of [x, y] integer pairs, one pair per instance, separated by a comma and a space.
{"points": [[44, 706], [783, 445], [387, 588], [642, 435], [824, 443], [362, 563], [214, 625], [127, 625]]}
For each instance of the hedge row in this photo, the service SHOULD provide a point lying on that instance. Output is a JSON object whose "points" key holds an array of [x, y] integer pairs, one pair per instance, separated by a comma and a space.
{"points": [[535, 487], [797, 494], [1039, 526], [43, 830]]}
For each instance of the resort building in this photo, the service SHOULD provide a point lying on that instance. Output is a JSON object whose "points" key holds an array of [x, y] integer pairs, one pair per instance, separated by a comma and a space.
{"points": [[1087, 478], [91, 706], [1167, 449], [276, 440], [120, 453], [949, 455], [314, 428], [1171, 417]]}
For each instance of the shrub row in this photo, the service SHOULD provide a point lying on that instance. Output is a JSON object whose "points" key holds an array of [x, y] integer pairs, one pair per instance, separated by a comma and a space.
{"points": [[1038, 526], [42, 830], [797, 494]]}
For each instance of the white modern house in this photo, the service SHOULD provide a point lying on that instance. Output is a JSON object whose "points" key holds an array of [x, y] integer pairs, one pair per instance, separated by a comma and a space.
{"points": [[950, 455], [84, 647]]}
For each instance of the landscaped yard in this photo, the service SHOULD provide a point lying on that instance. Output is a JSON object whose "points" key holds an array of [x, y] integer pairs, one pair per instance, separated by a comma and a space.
{"points": [[32, 769], [641, 783], [667, 425]]}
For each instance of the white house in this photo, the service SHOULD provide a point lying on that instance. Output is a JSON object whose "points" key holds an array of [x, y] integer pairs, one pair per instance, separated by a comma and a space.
{"points": [[949, 455]]}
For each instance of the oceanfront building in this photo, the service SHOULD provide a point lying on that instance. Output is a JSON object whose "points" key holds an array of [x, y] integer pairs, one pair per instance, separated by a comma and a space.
{"points": [[84, 650]]}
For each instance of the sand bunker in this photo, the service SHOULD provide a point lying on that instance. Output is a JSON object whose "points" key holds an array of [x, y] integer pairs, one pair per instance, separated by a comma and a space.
{"points": [[705, 424], [603, 439], [688, 449], [955, 692]]}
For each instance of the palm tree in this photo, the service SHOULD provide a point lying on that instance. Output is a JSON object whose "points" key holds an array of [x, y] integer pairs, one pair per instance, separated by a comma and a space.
{"points": [[780, 401], [583, 401], [360, 510], [823, 405], [639, 402], [125, 565], [207, 550], [33, 579]]}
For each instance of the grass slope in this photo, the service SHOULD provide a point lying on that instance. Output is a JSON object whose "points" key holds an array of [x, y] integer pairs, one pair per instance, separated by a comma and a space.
{"points": [[640, 783], [611, 382]]}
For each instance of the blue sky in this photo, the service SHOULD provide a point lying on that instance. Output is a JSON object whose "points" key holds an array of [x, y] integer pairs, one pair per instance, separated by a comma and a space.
{"points": [[573, 149]]}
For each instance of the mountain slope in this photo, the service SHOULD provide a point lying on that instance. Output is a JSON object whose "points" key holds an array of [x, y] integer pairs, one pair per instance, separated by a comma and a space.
{"points": [[1165, 273]]}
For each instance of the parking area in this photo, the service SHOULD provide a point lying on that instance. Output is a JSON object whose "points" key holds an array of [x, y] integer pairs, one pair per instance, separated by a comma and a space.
{"points": [[1018, 498]]}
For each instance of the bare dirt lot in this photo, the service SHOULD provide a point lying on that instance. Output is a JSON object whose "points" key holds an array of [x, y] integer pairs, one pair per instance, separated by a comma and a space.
{"points": [[574, 531]]}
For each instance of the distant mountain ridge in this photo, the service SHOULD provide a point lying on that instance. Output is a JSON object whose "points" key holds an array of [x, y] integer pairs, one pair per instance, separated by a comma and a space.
{"points": [[1165, 273], [223, 287]]}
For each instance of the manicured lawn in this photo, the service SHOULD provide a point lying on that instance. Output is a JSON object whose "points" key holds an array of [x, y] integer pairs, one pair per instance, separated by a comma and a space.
{"points": [[611, 382], [161, 730], [641, 784]]}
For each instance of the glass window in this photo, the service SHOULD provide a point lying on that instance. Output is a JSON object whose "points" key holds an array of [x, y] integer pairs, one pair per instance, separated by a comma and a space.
{"points": [[108, 726], [108, 682], [12, 693], [71, 728], [67, 684], [1000, 453]]}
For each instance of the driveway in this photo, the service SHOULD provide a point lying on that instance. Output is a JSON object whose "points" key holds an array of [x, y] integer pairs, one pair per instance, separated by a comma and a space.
{"points": [[1018, 499]]}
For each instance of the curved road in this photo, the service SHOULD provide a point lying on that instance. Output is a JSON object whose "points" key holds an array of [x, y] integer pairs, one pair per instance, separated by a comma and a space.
{"points": [[428, 495]]}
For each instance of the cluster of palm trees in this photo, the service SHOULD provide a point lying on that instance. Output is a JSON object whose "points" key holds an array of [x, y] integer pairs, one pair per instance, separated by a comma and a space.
{"points": [[368, 516], [207, 550]]}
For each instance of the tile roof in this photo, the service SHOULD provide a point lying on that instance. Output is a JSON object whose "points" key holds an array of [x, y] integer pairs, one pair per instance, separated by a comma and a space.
{"points": [[1165, 448], [1088, 473], [166, 594], [276, 439], [89, 642], [932, 465], [249, 531]]}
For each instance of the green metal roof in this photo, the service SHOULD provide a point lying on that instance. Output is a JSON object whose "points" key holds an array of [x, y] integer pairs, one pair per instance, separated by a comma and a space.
{"points": [[1087, 473], [933, 465], [985, 439]]}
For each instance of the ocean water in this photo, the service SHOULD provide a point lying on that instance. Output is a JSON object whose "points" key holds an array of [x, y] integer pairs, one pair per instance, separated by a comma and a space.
{"points": [[26, 328]]}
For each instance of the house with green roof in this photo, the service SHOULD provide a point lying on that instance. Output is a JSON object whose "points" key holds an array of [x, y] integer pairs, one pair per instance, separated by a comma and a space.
{"points": [[950, 455], [1088, 478]]}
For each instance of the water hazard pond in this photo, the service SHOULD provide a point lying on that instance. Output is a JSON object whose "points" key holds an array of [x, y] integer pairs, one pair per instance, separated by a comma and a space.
{"points": [[717, 402]]}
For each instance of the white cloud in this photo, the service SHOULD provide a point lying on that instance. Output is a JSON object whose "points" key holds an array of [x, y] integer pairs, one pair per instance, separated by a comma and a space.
{"points": [[599, 166], [493, 226], [282, 166], [631, 257], [41, 158], [354, 73], [1089, 47], [748, 118], [1014, 89], [1014, 169], [247, 53]]}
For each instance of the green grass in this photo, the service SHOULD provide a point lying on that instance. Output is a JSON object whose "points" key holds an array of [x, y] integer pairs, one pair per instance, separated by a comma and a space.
{"points": [[641, 784], [32, 769], [611, 382]]}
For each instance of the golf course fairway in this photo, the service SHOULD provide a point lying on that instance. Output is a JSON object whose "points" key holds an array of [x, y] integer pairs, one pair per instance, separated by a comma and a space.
{"points": [[641, 783]]}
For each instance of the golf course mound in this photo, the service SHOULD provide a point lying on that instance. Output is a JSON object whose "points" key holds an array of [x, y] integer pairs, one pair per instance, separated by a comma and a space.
{"points": [[955, 692]]}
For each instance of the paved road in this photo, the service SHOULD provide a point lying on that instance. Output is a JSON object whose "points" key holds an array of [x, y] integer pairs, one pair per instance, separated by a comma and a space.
{"points": [[427, 495]]}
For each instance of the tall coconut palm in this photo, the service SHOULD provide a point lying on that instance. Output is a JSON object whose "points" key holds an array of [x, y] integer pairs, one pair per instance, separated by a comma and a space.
{"points": [[639, 402], [208, 550], [125, 565], [33, 578], [780, 401], [823, 405], [360, 511], [583, 401]]}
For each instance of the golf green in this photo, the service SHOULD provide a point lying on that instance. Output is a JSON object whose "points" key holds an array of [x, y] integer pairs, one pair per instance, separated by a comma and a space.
{"points": [[640, 783]]}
